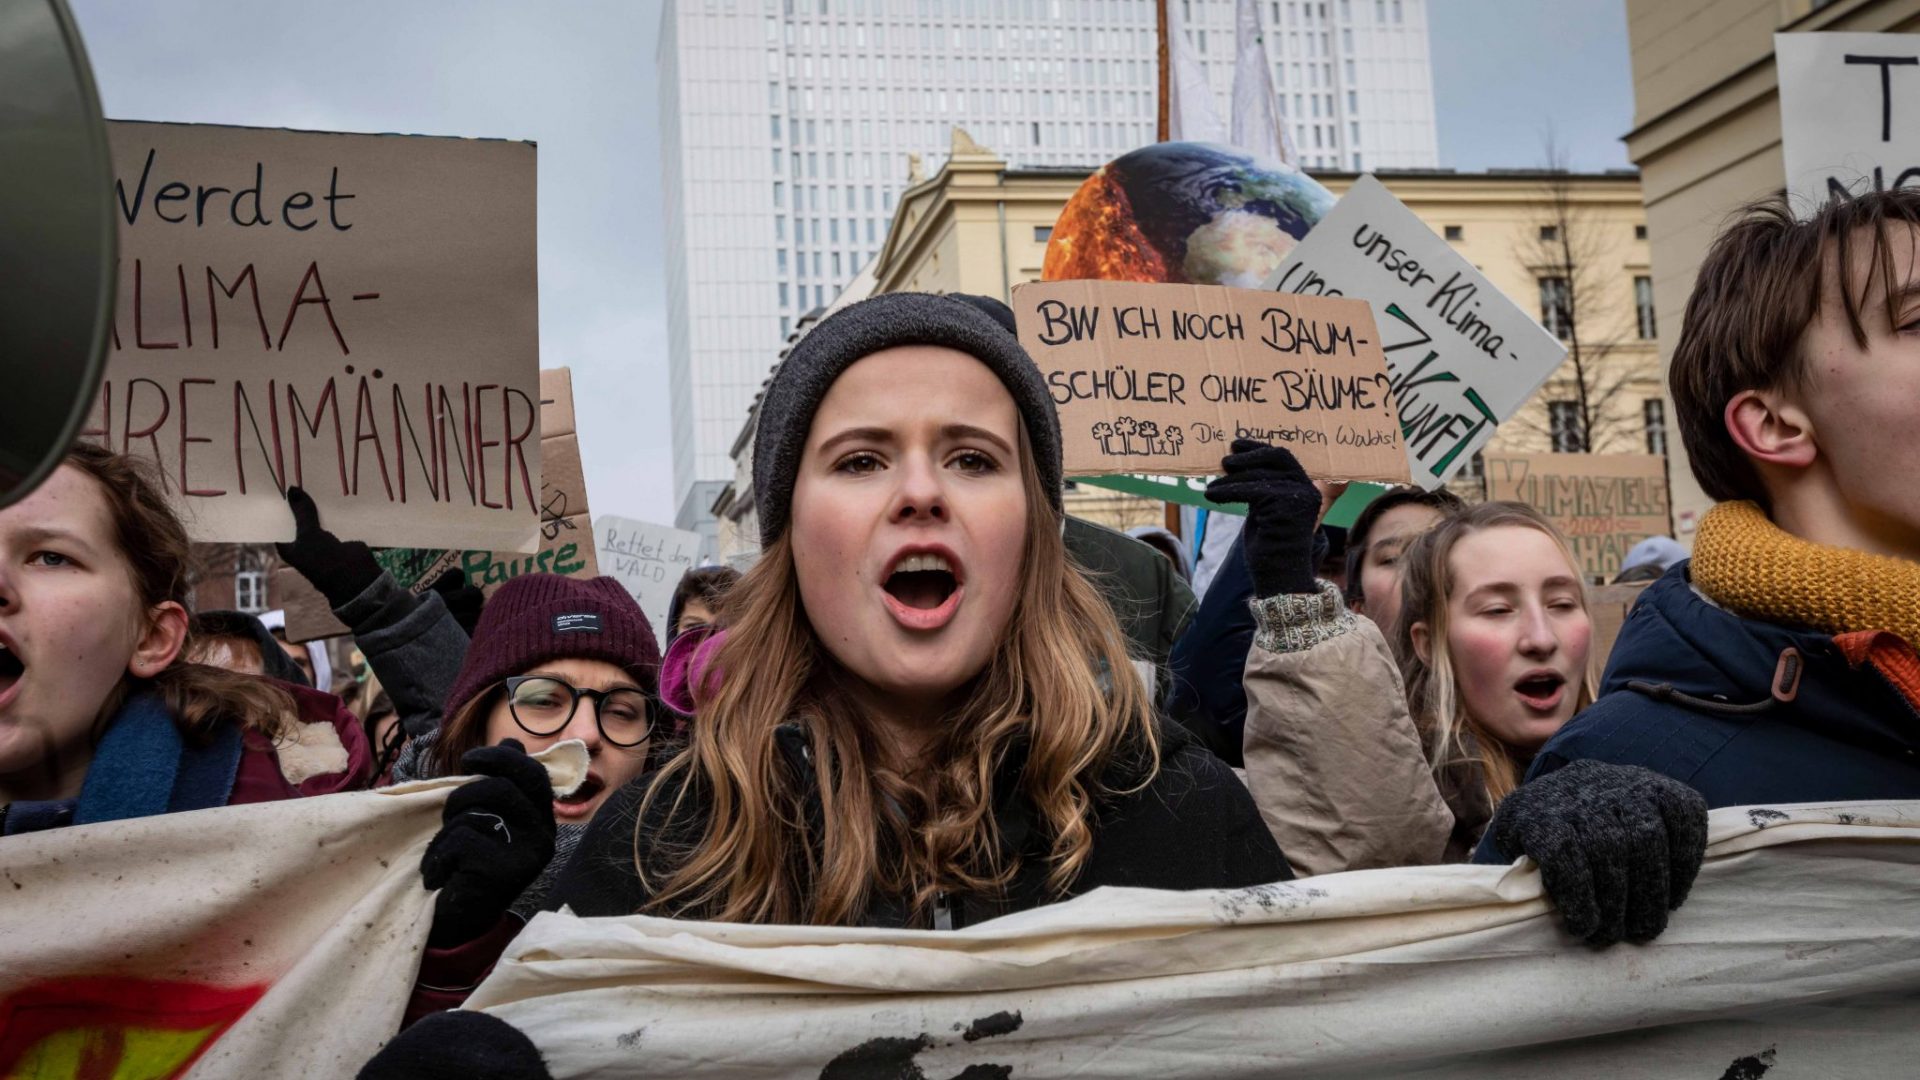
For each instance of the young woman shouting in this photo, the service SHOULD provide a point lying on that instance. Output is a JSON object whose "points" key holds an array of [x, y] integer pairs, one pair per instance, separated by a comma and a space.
{"points": [[924, 715], [102, 717]]}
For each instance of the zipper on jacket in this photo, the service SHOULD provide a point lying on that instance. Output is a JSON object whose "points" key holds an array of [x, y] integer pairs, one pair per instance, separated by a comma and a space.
{"points": [[942, 912]]}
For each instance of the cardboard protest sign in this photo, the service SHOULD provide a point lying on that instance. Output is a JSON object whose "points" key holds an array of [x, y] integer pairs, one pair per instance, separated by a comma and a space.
{"points": [[648, 559], [1162, 378], [1608, 606], [1604, 503], [566, 531], [1849, 114], [1433, 971], [1462, 357], [353, 314]]}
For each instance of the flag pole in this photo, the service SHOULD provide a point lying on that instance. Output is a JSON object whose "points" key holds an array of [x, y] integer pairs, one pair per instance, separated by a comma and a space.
{"points": [[1163, 132]]}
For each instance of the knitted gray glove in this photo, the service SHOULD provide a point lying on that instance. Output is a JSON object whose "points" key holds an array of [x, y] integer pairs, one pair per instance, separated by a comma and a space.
{"points": [[1618, 845]]}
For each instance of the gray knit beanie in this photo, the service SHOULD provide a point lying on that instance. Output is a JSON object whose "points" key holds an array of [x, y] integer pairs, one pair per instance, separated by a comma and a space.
{"points": [[884, 322]]}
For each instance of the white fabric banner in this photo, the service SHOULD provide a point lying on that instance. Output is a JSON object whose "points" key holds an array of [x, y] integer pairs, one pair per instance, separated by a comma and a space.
{"points": [[1800, 948], [271, 939]]}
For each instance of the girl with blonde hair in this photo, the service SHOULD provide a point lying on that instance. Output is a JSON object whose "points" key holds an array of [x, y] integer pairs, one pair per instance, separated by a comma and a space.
{"points": [[926, 715], [1492, 644]]}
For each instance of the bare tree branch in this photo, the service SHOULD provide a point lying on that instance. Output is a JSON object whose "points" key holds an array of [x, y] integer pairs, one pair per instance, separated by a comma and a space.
{"points": [[1570, 247]]}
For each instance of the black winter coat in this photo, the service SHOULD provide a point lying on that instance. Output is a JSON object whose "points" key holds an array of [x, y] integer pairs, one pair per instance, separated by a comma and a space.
{"points": [[1193, 827], [1689, 692]]}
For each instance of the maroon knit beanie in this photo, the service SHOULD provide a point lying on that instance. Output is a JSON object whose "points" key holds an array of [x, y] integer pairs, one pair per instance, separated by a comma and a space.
{"points": [[541, 617]]}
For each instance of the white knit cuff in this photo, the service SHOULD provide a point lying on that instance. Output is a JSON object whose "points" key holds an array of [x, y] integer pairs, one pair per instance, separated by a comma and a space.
{"points": [[1296, 622]]}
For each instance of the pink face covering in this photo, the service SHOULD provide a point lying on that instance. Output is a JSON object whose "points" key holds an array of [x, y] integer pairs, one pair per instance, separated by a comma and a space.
{"points": [[689, 662]]}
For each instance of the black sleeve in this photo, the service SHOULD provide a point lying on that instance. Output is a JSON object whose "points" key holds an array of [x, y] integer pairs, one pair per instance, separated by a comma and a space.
{"points": [[1195, 826], [602, 877], [1207, 662]]}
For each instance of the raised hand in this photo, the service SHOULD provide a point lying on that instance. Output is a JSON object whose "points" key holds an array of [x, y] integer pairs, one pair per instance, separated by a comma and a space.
{"points": [[340, 569], [1283, 509]]}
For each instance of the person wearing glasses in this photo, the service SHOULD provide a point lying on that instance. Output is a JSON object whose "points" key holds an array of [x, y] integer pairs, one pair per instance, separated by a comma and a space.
{"points": [[552, 658]]}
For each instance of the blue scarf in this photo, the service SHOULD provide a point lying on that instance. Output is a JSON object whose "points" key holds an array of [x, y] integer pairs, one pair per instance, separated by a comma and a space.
{"points": [[143, 767]]}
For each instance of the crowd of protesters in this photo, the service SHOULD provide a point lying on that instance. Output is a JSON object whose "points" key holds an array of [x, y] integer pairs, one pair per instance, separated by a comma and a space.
{"points": [[936, 699]]}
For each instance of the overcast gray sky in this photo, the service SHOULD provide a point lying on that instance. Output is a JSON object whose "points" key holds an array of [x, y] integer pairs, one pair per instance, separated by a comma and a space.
{"points": [[579, 78]]}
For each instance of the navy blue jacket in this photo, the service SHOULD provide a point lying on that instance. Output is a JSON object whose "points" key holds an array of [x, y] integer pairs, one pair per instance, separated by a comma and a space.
{"points": [[1690, 692], [1204, 670]]}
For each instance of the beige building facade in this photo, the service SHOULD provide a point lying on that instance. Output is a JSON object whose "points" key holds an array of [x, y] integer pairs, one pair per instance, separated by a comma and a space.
{"points": [[981, 227], [1706, 136]]}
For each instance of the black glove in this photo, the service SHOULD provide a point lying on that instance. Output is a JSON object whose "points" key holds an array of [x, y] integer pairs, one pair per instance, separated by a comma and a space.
{"points": [[1618, 845], [463, 601], [496, 835], [1283, 508], [341, 570], [458, 1045]]}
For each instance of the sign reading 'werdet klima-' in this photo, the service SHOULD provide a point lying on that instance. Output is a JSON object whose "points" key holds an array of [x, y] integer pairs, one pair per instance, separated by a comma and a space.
{"points": [[354, 314]]}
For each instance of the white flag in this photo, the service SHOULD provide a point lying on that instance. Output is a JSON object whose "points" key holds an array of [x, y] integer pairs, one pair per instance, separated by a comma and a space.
{"points": [[1257, 127], [1190, 112]]}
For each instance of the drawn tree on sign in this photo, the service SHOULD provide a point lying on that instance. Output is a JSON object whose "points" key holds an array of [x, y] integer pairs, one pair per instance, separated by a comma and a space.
{"points": [[1149, 431], [1125, 427], [1104, 432], [1174, 437]]}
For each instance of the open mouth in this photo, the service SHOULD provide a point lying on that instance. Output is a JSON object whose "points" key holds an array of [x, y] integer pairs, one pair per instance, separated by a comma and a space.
{"points": [[11, 668], [1541, 690], [922, 582], [575, 804]]}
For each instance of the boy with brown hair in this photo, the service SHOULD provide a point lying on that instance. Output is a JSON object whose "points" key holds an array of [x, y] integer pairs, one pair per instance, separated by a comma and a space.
{"points": [[1779, 664]]}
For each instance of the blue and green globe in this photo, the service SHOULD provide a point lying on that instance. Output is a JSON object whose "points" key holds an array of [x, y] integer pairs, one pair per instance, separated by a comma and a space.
{"points": [[1187, 212]]}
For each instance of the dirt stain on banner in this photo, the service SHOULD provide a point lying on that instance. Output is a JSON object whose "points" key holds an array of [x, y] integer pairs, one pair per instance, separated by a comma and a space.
{"points": [[893, 1057]]}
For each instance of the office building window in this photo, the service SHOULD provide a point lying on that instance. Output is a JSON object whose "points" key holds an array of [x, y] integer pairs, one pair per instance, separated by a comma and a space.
{"points": [[1639, 232], [1653, 411], [1042, 233], [1550, 233], [1555, 313], [1563, 421], [1455, 232], [1643, 305], [250, 591]]}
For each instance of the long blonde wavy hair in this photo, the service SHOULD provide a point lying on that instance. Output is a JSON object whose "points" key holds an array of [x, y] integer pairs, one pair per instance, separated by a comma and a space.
{"points": [[1061, 683], [1452, 735]]}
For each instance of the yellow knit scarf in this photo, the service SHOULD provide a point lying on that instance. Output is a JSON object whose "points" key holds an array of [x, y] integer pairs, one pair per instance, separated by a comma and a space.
{"points": [[1755, 569]]}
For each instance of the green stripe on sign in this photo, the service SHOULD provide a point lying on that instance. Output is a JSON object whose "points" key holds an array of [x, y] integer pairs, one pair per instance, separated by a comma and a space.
{"points": [[1176, 490], [1171, 489]]}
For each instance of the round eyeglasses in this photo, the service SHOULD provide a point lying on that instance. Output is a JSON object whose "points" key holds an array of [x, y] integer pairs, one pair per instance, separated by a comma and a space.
{"points": [[543, 705]]}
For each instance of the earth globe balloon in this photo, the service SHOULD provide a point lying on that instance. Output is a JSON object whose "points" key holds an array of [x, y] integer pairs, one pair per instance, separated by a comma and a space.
{"points": [[1186, 212]]}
